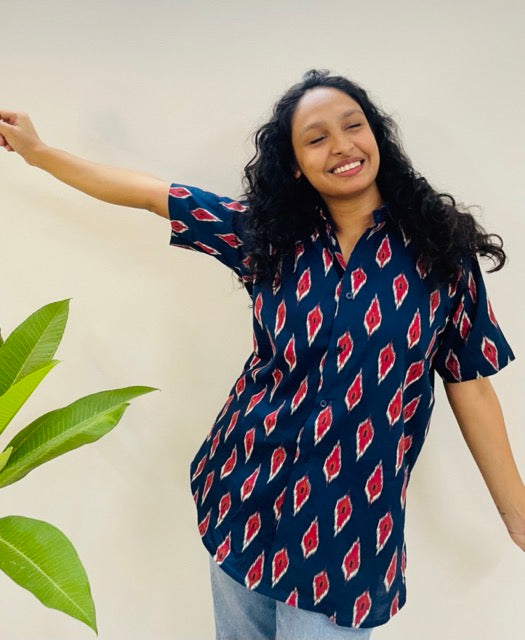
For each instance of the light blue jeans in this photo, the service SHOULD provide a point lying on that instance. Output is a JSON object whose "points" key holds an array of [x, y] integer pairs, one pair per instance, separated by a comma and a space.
{"points": [[242, 614]]}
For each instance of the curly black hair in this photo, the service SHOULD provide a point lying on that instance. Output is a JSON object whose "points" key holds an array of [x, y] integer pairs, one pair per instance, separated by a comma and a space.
{"points": [[282, 209]]}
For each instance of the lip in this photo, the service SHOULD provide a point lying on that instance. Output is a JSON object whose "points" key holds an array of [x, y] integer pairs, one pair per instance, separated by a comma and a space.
{"points": [[345, 161]]}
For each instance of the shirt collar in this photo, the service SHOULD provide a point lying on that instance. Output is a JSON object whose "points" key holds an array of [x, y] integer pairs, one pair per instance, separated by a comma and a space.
{"points": [[380, 214]]}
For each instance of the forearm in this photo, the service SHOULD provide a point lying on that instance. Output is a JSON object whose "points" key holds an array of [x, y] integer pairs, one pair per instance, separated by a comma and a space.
{"points": [[104, 182], [480, 418]]}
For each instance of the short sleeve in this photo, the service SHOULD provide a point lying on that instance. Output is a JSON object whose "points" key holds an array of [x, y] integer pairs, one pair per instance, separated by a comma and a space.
{"points": [[472, 344], [211, 224]]}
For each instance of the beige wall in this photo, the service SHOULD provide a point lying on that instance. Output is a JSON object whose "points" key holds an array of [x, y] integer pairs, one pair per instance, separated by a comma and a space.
{"points": [[175, 89]]}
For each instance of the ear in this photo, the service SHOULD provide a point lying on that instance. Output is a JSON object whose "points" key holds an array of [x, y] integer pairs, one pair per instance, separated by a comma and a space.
{"points": [[297, 172]]}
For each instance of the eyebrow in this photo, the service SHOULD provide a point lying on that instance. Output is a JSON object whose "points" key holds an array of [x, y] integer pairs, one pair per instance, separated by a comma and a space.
{"points": [[320, 123]]}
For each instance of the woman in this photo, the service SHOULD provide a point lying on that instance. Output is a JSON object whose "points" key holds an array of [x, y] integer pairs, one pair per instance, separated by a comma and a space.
{"points": [[364, 282]]}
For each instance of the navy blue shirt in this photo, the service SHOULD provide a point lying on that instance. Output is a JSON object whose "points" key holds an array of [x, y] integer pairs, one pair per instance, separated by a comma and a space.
{"points": [[300, 485]]}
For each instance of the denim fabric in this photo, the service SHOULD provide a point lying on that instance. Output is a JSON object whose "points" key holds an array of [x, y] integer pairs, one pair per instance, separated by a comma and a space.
{"points": [[242, 614]]}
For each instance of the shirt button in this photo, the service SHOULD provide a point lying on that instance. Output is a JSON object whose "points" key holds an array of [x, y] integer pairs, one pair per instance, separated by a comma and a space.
{"points": [[323, 403]]}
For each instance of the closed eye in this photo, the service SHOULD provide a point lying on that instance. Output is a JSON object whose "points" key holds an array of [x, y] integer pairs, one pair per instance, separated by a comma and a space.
{"points": [[315, 140]]}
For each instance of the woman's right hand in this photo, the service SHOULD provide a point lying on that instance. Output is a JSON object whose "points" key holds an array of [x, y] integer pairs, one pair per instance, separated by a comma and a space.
{"points": [[17, 133], [104, 182]]}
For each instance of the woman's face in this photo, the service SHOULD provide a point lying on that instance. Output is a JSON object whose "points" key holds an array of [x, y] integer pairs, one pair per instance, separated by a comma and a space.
{"points": [[333, 144]]}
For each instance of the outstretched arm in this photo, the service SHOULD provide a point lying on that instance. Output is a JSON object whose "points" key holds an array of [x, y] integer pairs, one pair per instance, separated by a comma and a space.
{"points": [[478, 412], [104, 182]]}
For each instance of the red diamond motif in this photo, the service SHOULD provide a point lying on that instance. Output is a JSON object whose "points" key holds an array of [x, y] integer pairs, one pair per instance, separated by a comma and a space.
{"points": [[207, 485], [215, 443], [345, 347], [358, 277], [289, 353], [332, 464], [177, 226], [230, 463], [240, 386], [249, 484], [394, 407], [391, 572], [414, 330], [300, 395], [365, 435], [342, 513], [415, 371], [385, 361], [280, 565], [235, 205], [452, 364], [362, 607], [223, 550], [231, 425], [249, 439], [354, 392], [373, 316], [204, 215], [179, 192], [352, 561], [293, 598], [374, 484], [277, 461], [410, 408], [270, 421], [394, 607], [280, 318], [254, 575], [278, 505], [301, 493], [322, 424], [465, 326], [314, 320], [321, 585], [310, 540], [384, 529], [400, 288], [384, 253], [277, 376], [472, 287], [251, 529], [230, 239], [255, 399], [204, 523], [224, 506], [304, 285], [490, 352], [435, 298]]}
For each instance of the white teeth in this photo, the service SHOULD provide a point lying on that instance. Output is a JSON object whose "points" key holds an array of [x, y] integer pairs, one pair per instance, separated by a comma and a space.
{"points": [[347, 167]]}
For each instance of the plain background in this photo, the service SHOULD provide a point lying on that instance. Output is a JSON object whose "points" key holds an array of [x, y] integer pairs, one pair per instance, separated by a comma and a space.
{"points": [[176, 89]]}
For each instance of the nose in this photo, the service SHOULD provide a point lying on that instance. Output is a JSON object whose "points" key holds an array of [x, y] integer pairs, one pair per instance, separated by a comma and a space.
{"points": [[341, 145]]}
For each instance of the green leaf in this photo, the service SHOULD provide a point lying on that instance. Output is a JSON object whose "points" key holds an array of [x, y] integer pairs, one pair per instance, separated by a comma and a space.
{"points": [[4, 457], [59, 431], [13, 399], [33, 343], [40, 558]]}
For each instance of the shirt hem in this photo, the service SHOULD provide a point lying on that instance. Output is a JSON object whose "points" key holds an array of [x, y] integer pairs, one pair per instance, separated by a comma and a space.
{"points": [[271, 593]]}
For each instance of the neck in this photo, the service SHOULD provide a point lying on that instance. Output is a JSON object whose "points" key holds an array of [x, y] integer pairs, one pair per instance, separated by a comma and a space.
{"points": [[354, 214]]}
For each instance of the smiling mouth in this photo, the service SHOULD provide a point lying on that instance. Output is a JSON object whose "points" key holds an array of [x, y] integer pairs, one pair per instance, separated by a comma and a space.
{"points": [[347, 167]]}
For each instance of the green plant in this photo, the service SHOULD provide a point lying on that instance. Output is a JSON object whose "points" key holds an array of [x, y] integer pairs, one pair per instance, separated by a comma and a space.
{"points": [[33, 553]]}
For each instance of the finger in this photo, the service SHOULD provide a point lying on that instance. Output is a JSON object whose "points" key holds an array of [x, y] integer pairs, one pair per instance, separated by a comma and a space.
{"points": [[8, 116]]}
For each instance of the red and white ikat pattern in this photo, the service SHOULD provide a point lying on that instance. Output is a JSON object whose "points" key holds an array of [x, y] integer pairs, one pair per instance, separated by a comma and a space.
{"points": [[300, 485]]}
